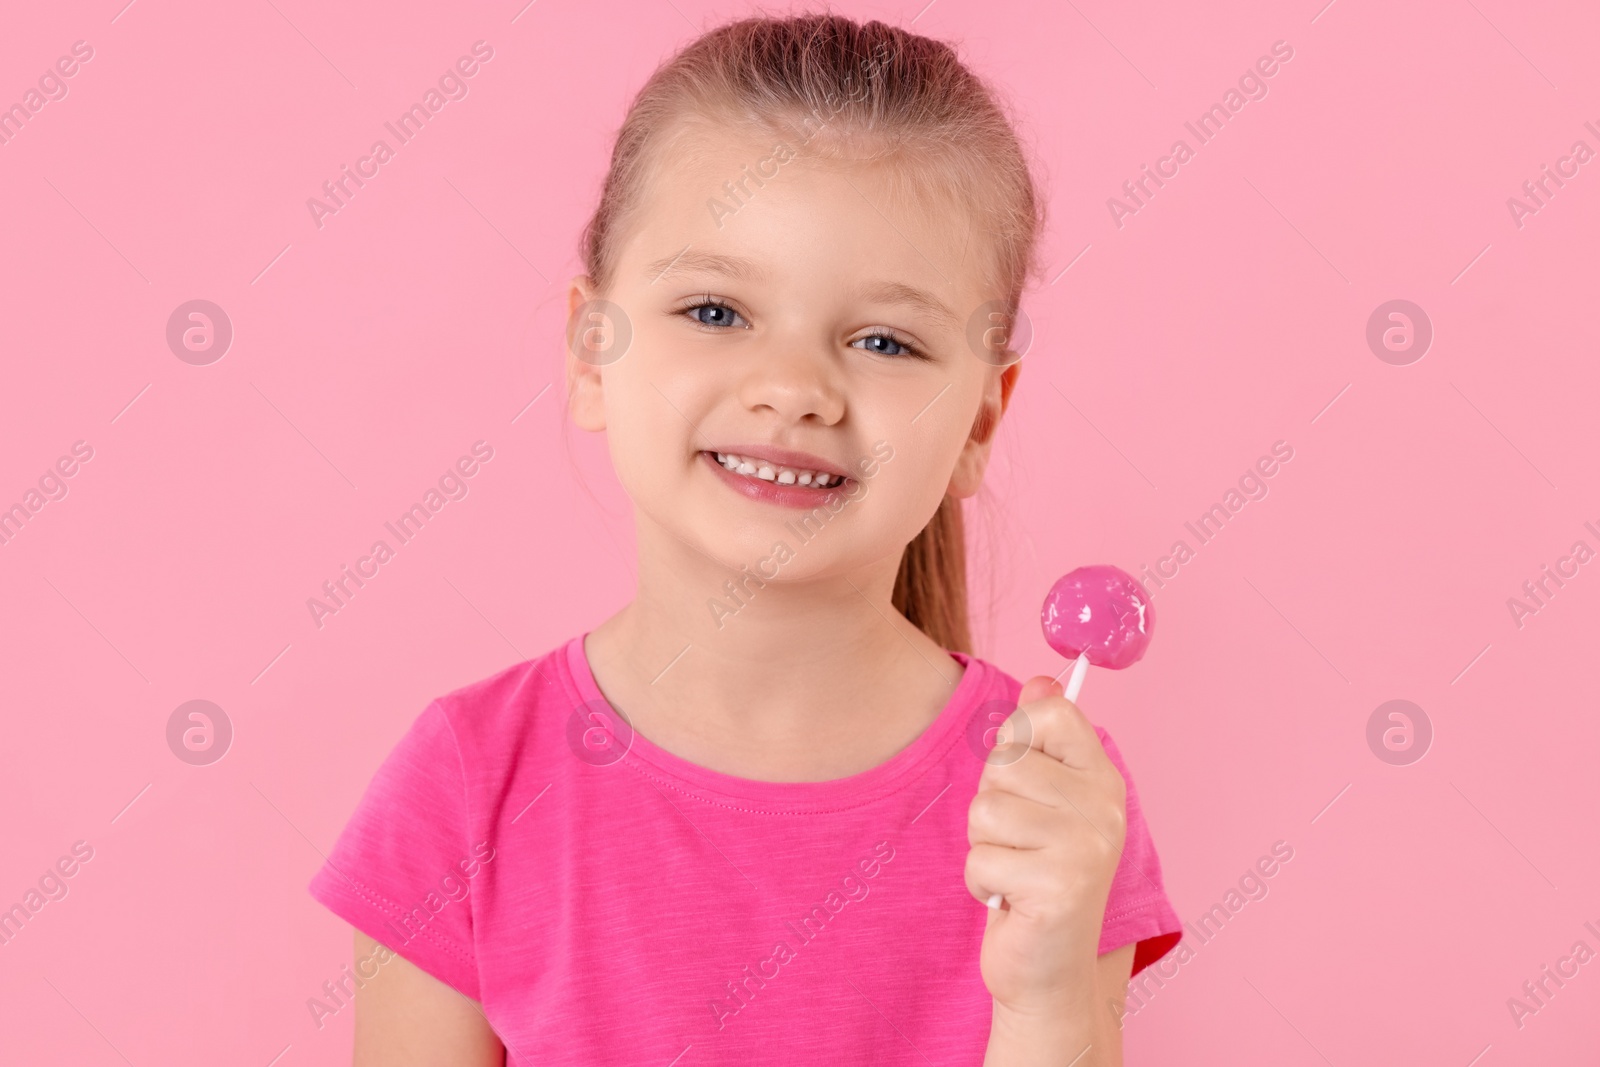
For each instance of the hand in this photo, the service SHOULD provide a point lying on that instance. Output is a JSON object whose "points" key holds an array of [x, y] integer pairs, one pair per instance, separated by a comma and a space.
{"points": [[1046, 827]]}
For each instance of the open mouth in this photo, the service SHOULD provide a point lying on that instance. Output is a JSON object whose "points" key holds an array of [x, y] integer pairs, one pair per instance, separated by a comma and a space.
{"points": [[776, 473]]}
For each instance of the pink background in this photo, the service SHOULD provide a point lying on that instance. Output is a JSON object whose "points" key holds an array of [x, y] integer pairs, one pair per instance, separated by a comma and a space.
{"points": [[1227, 314]]}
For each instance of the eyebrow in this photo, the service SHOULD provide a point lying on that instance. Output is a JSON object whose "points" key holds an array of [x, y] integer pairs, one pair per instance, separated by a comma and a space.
{"points": [[690, 261], [687, 261], [911, 296]]}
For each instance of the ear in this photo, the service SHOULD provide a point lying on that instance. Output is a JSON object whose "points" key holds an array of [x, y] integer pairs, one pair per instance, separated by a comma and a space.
{"points": [[585, 389], [974, 458]]}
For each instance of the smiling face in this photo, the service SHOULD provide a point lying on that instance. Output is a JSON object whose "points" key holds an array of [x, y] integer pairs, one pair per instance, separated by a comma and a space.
{"points": [[818, 323]]}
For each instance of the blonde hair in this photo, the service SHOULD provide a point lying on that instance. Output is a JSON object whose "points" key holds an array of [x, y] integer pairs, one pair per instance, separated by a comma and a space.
{"points": [[837, 85]]}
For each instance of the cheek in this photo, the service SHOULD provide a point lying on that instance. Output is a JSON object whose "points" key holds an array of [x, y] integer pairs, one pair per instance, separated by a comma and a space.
{"points": [[647, 428], [932, 444], [907, 489]]}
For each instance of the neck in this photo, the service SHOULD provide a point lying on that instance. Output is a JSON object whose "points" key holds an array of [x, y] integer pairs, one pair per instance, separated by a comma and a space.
{"points": [[817, 664]]}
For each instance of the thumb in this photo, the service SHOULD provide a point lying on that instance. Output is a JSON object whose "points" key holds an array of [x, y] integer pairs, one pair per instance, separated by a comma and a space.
{"points": [[1038, 687]]}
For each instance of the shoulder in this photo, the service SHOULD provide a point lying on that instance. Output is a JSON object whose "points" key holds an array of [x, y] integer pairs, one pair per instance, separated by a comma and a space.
{"points": [[984, 681], [497, 715]]}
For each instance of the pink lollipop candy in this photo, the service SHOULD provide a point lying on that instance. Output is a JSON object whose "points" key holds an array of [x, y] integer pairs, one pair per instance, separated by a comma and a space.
{"points": [[1098, 615]]}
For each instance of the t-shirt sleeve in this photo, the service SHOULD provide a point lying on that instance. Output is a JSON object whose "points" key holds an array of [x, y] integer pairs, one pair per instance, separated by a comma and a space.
{"points": [[401, 867], [1137, 911]]}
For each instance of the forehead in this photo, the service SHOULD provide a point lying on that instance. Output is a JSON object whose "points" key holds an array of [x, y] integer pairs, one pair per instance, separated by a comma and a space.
{"points": [[763, 209]]}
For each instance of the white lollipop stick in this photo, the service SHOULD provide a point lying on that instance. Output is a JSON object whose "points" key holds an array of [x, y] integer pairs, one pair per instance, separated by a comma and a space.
{"points": [[1080, 670]]}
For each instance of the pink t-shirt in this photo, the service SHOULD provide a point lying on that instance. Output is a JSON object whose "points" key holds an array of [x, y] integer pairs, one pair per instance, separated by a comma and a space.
{"points": [[608, 902]]}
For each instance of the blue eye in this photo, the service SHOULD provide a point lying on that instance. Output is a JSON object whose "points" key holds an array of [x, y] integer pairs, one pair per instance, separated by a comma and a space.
{"points": [[880, 341], [723, 314]]}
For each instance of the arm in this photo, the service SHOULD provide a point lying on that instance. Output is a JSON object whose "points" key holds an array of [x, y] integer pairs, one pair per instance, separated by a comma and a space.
{"points": [[1080, 1033], [405, 1017]]}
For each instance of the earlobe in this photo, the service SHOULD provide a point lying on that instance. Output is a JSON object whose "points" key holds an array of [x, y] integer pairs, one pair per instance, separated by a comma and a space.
{"points": [[974, 457], [996, 398], [585, 394], [585, 389], [968, 473]]}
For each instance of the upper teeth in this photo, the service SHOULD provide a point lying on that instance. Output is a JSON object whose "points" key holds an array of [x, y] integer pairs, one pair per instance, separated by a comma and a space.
{"points": [[775, 472]]}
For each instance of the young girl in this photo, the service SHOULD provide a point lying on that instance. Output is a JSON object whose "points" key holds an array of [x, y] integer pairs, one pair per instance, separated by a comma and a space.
{"points": [[755, 815]]}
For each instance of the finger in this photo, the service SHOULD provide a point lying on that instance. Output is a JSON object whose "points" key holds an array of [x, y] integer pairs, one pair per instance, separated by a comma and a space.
{"points": [[1013, 873], [1100, 796], [1038, 687], [1055, 726], [997, 817]]}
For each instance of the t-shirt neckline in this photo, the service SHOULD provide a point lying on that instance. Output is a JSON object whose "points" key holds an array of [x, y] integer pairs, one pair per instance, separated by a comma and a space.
{"points": [[790, 797]]}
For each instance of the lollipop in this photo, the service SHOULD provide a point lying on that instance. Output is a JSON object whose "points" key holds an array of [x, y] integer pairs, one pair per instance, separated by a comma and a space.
{"points": [[1098, 615]]}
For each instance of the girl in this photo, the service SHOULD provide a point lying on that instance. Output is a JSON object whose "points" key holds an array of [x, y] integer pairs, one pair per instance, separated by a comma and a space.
{"points": [[755, 814]]}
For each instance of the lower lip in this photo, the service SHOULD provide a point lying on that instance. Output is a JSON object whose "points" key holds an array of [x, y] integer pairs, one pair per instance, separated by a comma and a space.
{"points": [[785, 496]]}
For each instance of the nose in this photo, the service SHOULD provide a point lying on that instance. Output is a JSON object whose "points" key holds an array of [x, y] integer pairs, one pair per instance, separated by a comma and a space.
{"points": [[795, 382]]}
